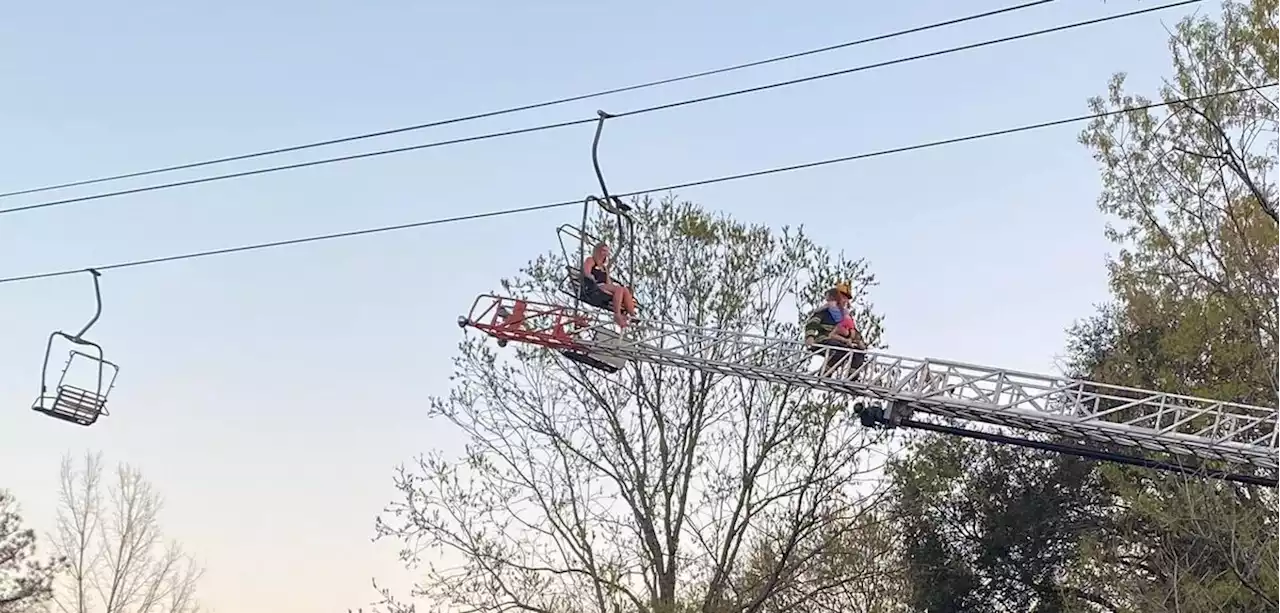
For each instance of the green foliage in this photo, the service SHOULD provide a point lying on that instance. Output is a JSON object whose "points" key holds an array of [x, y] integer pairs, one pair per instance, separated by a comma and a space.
{"points": [[1191, 190], [1176, 543], [1191, 200], [1195, 289], [994, 528]]}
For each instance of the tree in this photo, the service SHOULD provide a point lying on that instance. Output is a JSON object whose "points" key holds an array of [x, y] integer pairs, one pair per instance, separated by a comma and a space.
{"points": [[1191, 197], [1195, 290], [858, 567], [118, 561], [996, 528], [1192, 190], [1172, 542], [655, 489], [26, 583]]}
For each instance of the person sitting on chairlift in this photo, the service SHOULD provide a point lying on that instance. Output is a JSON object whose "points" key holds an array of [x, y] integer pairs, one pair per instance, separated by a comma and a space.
{"points": [[596, 267]]}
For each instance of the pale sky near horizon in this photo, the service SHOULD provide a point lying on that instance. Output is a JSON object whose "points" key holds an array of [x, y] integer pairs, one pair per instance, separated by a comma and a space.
{"points": [[268, 395]]}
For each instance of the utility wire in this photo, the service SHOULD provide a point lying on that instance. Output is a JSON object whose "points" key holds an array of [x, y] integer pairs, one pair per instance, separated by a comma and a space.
{"points": [[553, 205], [661, 107], [536, 105]]}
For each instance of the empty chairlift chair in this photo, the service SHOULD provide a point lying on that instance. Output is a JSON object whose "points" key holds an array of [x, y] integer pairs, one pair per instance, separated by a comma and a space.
{"points": [[80, 395]]}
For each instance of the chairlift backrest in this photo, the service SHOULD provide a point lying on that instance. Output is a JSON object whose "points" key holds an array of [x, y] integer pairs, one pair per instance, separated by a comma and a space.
{"points": [[576, 246]]}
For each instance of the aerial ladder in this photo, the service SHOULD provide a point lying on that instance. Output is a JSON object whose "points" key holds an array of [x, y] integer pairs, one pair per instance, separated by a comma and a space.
{"points": [[1198, 429]]}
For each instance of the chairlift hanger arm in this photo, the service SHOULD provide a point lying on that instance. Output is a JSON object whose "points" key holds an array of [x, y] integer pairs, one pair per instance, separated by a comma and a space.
{"points": [[97, 297], [611, 203]]}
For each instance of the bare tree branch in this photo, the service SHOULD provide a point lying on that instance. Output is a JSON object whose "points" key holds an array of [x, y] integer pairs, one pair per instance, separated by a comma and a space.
{"points": [[649, 490], [119, 562]]}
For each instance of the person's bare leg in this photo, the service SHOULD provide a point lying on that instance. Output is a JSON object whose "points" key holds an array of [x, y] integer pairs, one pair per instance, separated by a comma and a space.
{"points": [[618, 317], [630, 299]]}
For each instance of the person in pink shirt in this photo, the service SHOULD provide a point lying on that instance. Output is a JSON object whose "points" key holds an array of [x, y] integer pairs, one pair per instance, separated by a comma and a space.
{"points": [[846, 326], [841, 307]]}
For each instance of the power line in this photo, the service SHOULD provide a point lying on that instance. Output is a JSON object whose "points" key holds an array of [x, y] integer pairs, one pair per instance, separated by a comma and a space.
{"points": [[661, 107], [536, 105], [722, 179]]}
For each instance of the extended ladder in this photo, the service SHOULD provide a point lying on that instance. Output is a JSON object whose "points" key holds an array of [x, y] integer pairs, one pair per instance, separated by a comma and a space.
{"points": [[1135, 418]]}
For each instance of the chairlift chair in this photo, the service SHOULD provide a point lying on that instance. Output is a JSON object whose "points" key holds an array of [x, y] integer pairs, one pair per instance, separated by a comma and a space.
{"points": [[76, 400], [581, 287]]}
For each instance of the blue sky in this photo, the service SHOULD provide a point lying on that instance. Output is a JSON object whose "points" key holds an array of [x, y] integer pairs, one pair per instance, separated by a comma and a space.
{"points": [[269, 395]]}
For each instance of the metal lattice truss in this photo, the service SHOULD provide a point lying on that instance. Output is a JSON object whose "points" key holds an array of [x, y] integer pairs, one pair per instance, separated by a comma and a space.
{"points": [[1181, 425]]}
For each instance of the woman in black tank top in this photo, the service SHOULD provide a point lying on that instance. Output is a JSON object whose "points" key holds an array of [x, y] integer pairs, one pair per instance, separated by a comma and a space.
{"points": [[596, 267]]}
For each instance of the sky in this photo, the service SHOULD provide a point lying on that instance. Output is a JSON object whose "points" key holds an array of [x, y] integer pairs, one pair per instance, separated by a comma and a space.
{"points": [[269, 395]]}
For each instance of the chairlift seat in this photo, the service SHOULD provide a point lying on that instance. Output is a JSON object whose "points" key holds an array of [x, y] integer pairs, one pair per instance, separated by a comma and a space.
{"points": [[580, 286], [73, 401], [608, 364], [76, 405]]}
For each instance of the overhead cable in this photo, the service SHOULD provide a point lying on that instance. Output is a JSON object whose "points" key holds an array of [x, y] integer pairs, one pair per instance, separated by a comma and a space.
{"points": [[563, 124], [529, 107], [722, 179]]}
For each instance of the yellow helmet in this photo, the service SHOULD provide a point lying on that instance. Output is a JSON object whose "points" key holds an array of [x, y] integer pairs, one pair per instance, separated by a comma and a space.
{"points": [[843, 288]]}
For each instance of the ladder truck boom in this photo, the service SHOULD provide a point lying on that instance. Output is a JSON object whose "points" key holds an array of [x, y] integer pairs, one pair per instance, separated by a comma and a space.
{"points": [[1138, 419]]}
